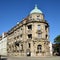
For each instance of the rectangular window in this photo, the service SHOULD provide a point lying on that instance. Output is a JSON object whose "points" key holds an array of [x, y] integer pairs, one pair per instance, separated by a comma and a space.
{"points": [[38, 27], [21, 35], [17, 37], [46, 36], [46, 27], [21, 46], [29, 45], [30, 36], [38, 18], [39, 35], [30, 27]]}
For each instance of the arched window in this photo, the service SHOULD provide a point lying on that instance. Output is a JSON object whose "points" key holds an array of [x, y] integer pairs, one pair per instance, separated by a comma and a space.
{"points": [[39, 48]]}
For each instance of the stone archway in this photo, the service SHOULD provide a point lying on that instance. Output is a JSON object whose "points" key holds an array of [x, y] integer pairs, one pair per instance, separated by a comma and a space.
{"points": [[39, 48]]}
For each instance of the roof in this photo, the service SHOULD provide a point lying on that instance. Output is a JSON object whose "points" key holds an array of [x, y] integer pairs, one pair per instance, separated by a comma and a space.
{"points": [[36, 10]]}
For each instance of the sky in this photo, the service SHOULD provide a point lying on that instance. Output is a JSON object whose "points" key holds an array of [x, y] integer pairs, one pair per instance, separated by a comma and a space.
{"points": [[13, 11]]}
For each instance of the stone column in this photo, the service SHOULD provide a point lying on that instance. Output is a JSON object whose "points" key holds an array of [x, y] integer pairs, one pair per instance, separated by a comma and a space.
{"points": [[32, 49]]}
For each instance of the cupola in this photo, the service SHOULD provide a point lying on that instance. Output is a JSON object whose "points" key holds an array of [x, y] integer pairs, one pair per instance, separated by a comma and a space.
{"points": [[36, 10]]}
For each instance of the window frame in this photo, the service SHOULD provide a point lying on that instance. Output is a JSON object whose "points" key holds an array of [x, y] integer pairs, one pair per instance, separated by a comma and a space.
{"points": [[39, 27], [29, 27]]}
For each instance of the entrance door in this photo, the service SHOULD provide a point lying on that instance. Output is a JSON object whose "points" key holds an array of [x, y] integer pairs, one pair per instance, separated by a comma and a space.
{"points": [[39, 48], [28, 52]]}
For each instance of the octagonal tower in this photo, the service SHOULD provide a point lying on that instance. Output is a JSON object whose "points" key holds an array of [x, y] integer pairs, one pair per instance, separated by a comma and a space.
{"points": [[38, 30]]}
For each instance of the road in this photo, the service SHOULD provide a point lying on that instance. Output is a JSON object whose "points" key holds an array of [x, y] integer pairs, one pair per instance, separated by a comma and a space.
{"points": [[34, 58]]}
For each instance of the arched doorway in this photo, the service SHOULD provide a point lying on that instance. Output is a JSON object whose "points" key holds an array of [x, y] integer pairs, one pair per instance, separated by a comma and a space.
{"points": [[39, 48], [28, 52]]}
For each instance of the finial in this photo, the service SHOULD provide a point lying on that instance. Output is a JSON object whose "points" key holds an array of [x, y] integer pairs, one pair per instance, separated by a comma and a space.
{"points": [[35, 6]]}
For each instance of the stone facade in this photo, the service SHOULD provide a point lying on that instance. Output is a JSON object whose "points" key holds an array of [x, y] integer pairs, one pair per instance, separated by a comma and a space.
{"points": [[29, 37]]}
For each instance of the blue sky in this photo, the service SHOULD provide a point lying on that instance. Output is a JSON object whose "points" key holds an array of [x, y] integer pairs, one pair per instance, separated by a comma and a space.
{"points": [[13, 11]]}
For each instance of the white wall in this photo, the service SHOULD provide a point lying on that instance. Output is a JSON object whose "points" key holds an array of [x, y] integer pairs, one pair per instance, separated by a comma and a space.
{"points": [[50, 45], [3, 46]]}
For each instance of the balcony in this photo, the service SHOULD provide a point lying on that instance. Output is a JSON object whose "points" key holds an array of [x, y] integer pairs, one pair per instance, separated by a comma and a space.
{"points": [[38, 38]]}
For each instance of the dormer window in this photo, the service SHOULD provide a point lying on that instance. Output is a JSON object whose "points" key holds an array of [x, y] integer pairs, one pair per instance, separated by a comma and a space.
{"points": [[30, 16], [38, 16]]}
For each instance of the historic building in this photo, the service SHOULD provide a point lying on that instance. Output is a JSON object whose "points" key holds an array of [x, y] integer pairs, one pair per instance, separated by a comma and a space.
{"points": [[30, 36]]}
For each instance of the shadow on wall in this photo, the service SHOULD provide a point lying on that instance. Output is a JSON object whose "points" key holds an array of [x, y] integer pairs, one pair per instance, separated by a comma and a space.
{"points": [[3, 59]]}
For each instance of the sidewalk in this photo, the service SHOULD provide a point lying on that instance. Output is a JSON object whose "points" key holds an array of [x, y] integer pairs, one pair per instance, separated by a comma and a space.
{"points": [[35, 58]]}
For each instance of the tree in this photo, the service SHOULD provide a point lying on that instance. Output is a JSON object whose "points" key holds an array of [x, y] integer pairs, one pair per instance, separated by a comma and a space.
{"points": [[57, 44], [57, 39]]}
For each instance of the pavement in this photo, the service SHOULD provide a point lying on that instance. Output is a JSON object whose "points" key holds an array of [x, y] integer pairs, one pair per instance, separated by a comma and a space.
{"points": [[35, 58], [3, 57]]}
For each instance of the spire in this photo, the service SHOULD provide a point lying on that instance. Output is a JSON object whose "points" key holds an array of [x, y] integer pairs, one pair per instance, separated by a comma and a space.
{"points": [[36, 6]]}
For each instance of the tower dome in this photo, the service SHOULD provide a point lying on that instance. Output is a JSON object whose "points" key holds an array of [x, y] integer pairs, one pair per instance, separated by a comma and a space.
{"points": [[36, 10]]}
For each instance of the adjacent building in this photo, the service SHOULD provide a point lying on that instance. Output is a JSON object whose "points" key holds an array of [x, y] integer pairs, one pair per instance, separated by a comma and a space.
{"points": [[3, 44]]}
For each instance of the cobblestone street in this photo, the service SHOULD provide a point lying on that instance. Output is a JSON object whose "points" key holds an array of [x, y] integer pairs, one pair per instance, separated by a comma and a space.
{"points": [[34, 58]]}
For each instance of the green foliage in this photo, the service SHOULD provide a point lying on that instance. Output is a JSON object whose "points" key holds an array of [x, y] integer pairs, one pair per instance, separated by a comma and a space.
{"points": [[56, 47], [57, 39], [57, 44]]}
